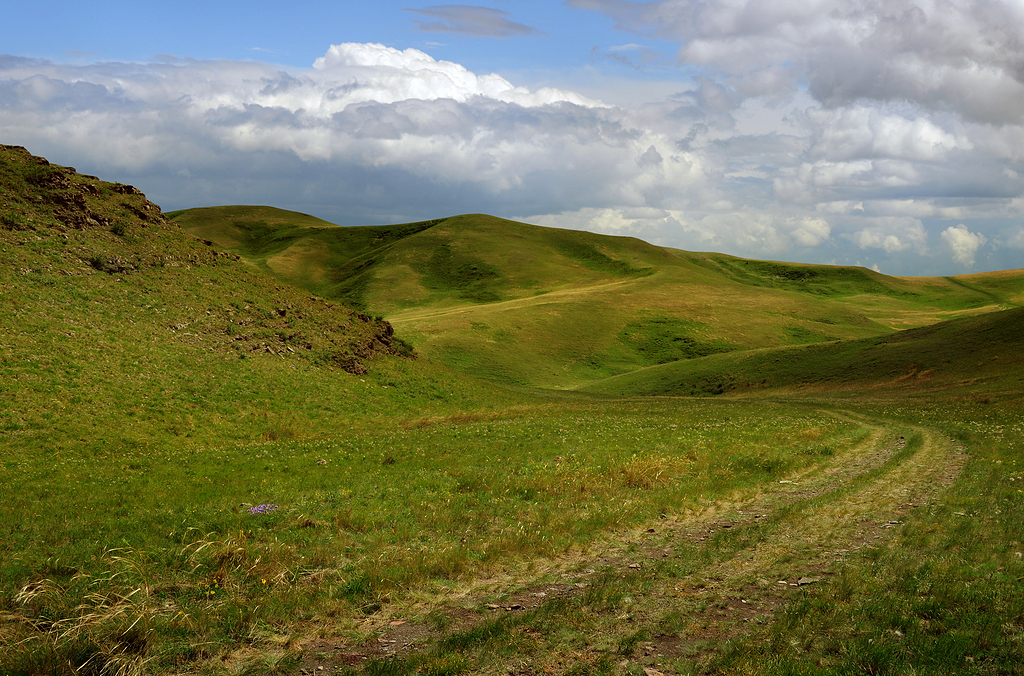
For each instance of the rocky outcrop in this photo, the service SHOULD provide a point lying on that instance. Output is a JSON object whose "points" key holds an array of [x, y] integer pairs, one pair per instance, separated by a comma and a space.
{"points": [[72, 200]]}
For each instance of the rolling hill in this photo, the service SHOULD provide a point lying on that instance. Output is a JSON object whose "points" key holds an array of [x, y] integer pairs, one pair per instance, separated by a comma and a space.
{"points": [[970, 354], [528, 305]]}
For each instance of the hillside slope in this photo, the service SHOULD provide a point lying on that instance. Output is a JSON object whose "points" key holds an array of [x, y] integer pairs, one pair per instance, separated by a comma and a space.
{"points": [[150, 385], [983, 354], [547, 307], [112, 318]]}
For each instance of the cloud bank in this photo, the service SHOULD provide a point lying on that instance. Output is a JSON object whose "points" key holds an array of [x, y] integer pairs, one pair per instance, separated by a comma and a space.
{"points": [[848, 132]]}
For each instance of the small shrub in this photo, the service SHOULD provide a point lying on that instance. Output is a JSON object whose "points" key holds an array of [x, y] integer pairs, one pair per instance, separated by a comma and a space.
{"points": [[14, 221], [404, 349]]}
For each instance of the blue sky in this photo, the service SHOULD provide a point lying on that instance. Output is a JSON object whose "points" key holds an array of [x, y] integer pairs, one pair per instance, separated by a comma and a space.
{"points": [[884, 134], [540, 42]]}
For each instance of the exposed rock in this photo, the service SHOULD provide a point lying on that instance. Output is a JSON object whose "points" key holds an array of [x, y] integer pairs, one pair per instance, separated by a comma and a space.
{"points": [[350, 364], [112, 264]]}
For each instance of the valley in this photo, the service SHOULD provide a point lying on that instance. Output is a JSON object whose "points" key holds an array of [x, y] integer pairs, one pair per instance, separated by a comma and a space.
{"points": [[242, 440]]}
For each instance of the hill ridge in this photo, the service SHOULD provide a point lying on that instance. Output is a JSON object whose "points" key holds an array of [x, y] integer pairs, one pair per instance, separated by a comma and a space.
{"points": [[462, 290], [980, 353]]}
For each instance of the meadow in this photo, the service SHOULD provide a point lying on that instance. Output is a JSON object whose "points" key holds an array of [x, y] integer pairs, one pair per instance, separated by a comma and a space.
{"points": [[210, 469], [326, 532], [566, 536]]}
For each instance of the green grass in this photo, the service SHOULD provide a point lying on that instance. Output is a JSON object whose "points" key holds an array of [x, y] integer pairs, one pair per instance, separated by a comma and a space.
{"points": [[468, 277], [660, 340], [982, 353], [942, 597], [819, 280], [392, 508], [945, 597]]}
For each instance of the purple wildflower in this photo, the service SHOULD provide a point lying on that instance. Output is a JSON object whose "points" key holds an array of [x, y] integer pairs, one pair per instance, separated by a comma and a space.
{"points": [[263, 509]]}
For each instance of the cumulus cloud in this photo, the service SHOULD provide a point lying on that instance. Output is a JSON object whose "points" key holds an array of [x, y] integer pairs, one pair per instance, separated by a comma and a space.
{"points": [[863, 132], [1017, 239], [962, 243], [892, 234], [961, 55], [471, 20], [371, 133], [899, 115], [361, 106], [355, 72], [811, 231]]}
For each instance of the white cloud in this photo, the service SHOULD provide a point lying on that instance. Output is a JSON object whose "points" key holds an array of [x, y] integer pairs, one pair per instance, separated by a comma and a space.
{"points": [[371, 133], [962, 243], [810, 231], [860, 131], [743, 232], [917, 208], [892, 234], [354, 72], [1017, 239], [962, 55]]}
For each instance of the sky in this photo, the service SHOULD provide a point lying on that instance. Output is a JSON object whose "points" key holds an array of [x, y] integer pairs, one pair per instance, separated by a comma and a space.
{"points": [[882, 133]]}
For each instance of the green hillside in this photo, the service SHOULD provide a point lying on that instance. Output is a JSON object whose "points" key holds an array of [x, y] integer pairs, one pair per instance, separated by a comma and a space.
{"points": [[546, 307], [122, 338], [983, 354], [139, 370]]}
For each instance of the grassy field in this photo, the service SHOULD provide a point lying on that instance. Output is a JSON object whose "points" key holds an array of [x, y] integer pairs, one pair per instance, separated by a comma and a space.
{"points": [[209, 470], [361, 523]]}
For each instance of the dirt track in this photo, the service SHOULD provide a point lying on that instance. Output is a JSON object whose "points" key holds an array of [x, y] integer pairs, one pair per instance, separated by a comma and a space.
{"points": [[811, 523]]}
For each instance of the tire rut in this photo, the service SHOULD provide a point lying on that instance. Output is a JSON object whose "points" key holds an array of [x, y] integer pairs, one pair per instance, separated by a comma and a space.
{"points": [[815, 520], [810, 546]]}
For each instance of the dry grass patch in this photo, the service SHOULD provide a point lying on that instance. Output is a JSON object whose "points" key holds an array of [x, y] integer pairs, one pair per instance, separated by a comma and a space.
{"points": [[305, 262]]}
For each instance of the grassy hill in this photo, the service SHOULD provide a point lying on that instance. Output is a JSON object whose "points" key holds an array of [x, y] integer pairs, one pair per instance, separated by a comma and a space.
{"points": [[528, 305], [983, 354]]}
